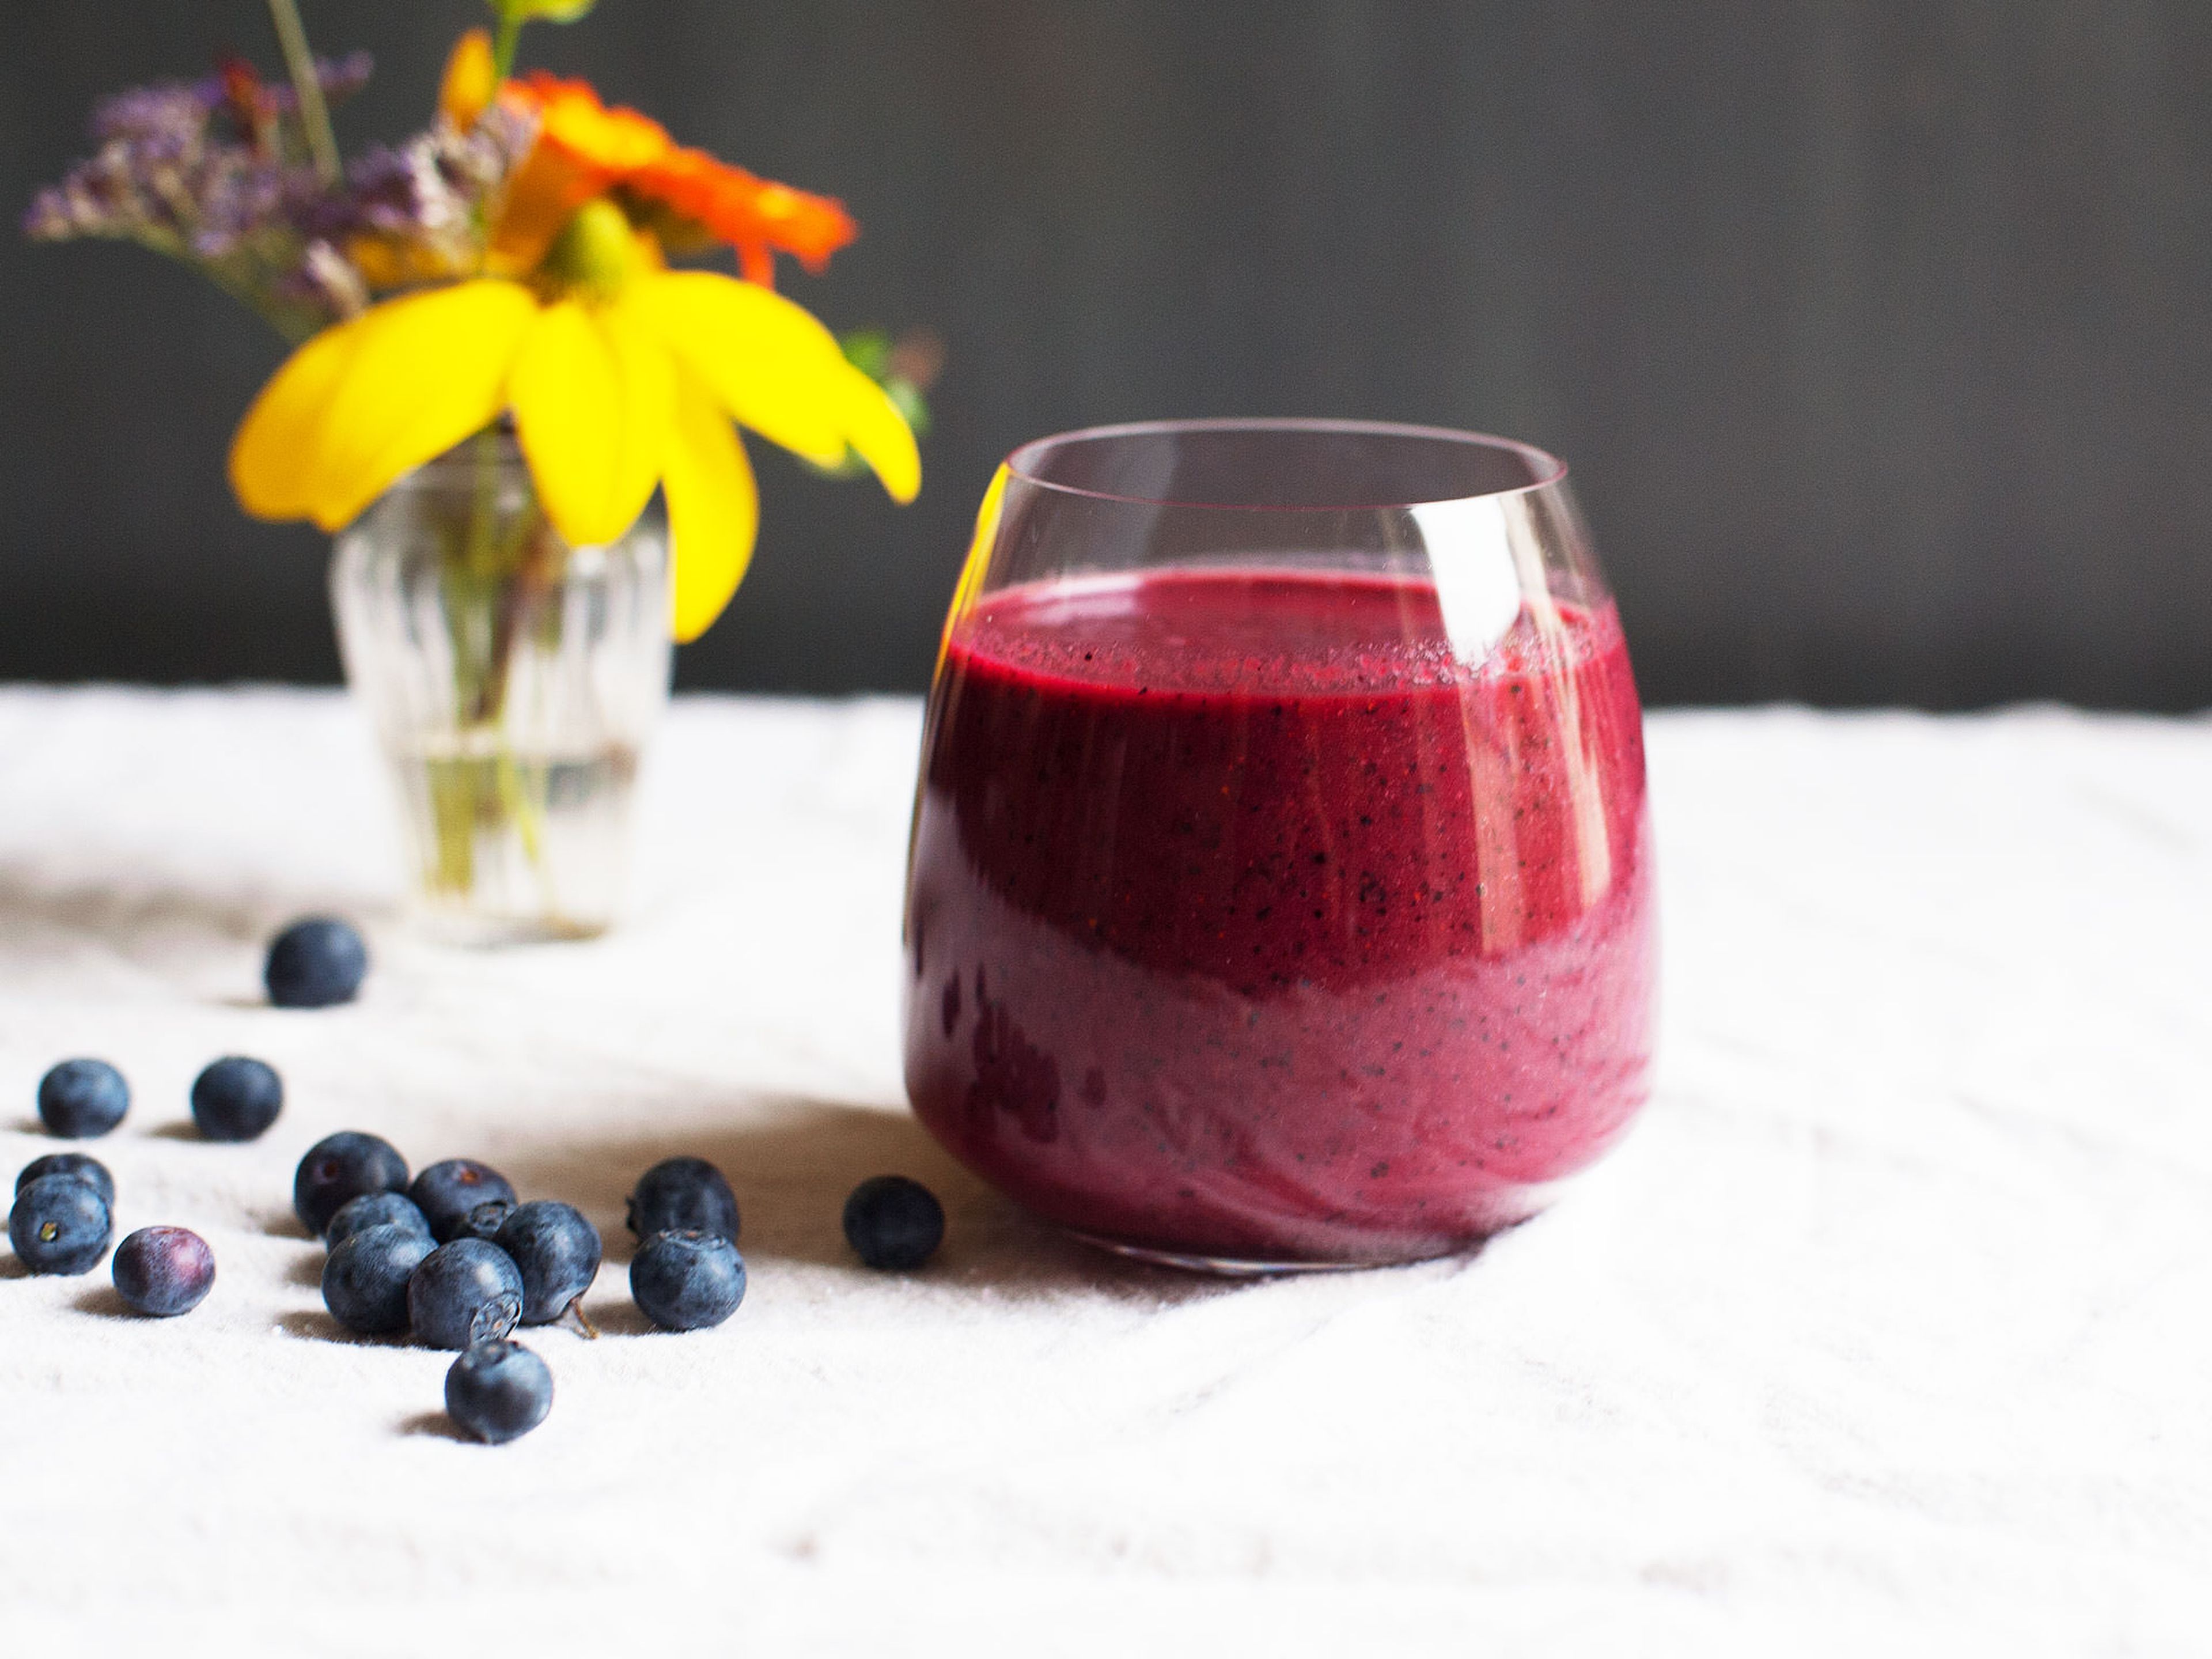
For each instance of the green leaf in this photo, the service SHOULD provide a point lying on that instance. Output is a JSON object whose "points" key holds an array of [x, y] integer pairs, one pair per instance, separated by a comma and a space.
{"points": [[869, 350]]}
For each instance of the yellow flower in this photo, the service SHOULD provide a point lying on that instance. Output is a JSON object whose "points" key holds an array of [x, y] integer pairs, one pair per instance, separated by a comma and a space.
{"points": [[472, 77], [621, 376]]}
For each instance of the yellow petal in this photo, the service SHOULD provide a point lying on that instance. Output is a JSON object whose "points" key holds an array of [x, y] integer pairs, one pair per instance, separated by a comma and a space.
{"points": [[272, 456], [714, 509], [594, 392], [980, 546], [880, 434], [426, 371], [471, 77], [766, 360]]}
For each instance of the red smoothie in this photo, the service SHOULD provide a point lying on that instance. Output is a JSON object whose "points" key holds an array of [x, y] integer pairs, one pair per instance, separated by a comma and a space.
{"points": [[1246, 920]]}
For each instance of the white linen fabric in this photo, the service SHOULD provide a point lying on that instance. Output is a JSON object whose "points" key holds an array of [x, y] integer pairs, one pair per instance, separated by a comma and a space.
{"points": [[1889, 1328]]}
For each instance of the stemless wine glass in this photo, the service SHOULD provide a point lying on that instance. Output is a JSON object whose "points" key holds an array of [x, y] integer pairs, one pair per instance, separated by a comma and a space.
{"points": [[1280, 892]]}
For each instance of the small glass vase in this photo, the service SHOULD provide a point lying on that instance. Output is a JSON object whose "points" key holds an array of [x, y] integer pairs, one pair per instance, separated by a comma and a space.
{"points": [[512, 682]]}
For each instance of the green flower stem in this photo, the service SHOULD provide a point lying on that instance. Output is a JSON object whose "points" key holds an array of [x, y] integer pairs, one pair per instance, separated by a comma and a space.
{"points": [[315, 114], [491, 580], [503, 44]]}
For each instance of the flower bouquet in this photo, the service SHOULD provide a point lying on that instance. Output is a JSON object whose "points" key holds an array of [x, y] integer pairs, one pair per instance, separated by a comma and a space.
{"points": [[498, 368]]}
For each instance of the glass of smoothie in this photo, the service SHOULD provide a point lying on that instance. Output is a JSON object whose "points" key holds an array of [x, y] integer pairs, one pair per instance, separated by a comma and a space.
{"points": [[1280, 892]]}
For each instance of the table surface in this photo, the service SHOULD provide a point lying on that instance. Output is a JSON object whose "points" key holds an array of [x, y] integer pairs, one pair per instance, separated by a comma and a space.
{"points": [[1888, 1330]]}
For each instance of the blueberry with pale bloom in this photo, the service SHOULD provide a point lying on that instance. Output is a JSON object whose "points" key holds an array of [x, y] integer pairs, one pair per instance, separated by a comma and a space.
{"points": [[316, 962], [557, 1252], [366, 1277], [447, 1191], [463, 1293], [82, 1165], [163, 1270], [358, 1215], [683, 1195], [687, 1281], [344, 1166], [894, 1223], [237, 1098], [82, 1099], [60, 1225], [498, 1391]]}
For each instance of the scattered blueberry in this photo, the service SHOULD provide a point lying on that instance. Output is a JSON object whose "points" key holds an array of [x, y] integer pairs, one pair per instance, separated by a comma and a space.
{"points": [[447, 1192], [82, 1099], [60, 1225], [237, 1098], [485, 1220], [686, 1281], [342, 1166], [499, 1391], [82, 1165], [683, 1195], [365, 1281], [463, 1293], [557, 1252], [358, 1215], [315, 962], [894, 1222], [164, 1270]]}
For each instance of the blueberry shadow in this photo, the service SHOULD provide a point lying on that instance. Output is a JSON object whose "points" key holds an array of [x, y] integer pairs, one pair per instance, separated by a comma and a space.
{"points": [[283, 1223], [435, 1426], [313, 1325], [106, 1301], [122, 916], [308, 1271], [793, 1162], [186, 1130], [11, 1267]]}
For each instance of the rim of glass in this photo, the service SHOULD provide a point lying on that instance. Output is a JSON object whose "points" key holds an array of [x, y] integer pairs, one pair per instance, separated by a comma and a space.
{"points": [[1549, 469]]}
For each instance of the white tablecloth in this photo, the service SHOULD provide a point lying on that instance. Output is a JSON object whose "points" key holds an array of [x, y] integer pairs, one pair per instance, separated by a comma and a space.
{"points": [[1889, 1329]]}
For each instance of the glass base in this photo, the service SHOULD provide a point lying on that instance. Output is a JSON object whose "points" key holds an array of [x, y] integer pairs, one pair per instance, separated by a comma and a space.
{"points": [[1226, 1266]]}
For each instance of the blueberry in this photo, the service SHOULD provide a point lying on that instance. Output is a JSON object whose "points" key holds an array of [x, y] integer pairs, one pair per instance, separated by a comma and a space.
{"points": [[358, 1215], [82, 1165], [447, 1192], [557, 1252], [315, 962], [82, 1099], [683, 1195], [342, 1166], [236, 1098], [59, 1225], [164, 1270], [465, 1292], [499, 1391], [894, 1222], [365, 1279], [485, 1219], [686, 1281]]}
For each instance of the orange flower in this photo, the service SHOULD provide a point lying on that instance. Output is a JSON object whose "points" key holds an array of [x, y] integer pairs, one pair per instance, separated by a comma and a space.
{"points": [[754, 215], [586, 148], [583, 148]]}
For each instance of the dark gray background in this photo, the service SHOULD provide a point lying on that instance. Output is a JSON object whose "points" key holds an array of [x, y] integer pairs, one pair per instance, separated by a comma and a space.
{"points": [[1876, 331]]}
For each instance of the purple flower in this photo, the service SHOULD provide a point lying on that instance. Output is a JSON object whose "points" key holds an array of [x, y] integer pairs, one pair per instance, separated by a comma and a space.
{"points": [[422, 207], [215, 172]]}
